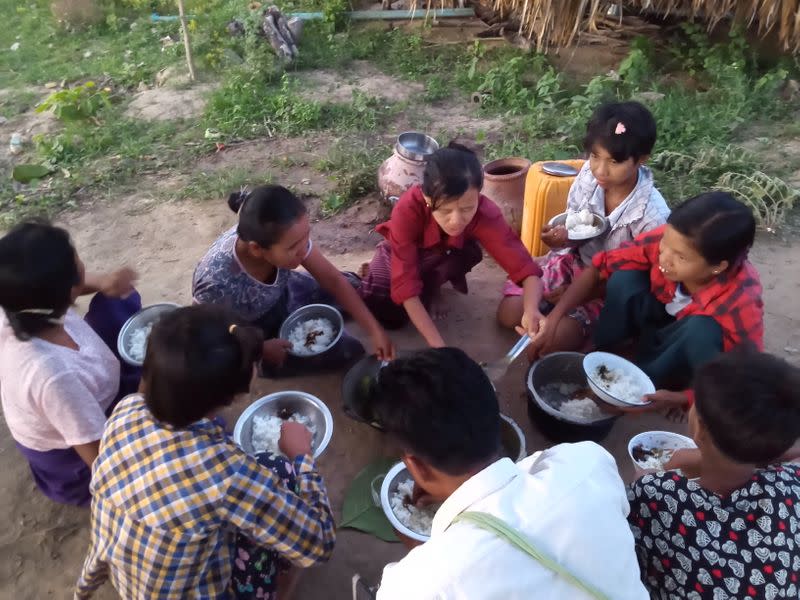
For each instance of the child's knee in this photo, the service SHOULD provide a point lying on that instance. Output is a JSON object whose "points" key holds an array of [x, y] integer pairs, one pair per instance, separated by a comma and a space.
{"points": [[627, 283], [509, 311], [703, 338]]}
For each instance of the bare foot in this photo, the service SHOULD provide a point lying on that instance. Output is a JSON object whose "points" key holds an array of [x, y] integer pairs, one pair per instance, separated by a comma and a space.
{"points": [[363, 270], [439, 309]]}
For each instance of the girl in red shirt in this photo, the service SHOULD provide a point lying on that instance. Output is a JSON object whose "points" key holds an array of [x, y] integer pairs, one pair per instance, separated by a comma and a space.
{"points": [[434, 236], [683, 292]]}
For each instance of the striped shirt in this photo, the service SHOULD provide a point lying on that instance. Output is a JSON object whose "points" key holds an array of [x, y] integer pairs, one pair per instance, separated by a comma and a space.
{"points": [[166, 503]]}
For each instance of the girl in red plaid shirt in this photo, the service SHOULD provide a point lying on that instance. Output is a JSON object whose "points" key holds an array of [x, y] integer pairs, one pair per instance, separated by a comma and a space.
{"points": [[683, 293]]}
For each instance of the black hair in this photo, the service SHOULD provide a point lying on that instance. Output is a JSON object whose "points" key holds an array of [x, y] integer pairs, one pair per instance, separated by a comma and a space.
{"points": [[38, 269], [196, 362], [265, 213], [624, 129], [450, 172], [720, 227], [440, 406], [749, 403]]}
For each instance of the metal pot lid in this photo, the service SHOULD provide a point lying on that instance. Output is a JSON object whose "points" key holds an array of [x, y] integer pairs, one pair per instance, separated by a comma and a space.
{"points": [[414, 145], [559, 169]]}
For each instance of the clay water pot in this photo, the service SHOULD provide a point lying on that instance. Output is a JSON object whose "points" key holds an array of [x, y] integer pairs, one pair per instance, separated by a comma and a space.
{"points": [[406, 166], [504, 183]]}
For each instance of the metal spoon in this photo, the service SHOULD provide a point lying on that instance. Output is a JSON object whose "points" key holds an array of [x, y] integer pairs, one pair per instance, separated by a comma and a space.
{"points": [[498, 368]]}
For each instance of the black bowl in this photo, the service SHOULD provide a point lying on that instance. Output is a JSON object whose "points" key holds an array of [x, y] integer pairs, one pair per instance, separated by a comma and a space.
{"points": [[561, 367]]}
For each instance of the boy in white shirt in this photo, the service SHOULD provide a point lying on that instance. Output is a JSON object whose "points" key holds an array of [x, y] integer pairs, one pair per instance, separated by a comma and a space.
{"points": [[568, 502]]}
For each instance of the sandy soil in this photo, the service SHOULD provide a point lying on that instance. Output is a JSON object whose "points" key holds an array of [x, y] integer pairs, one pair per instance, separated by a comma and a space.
{"points": [[164, 241]]}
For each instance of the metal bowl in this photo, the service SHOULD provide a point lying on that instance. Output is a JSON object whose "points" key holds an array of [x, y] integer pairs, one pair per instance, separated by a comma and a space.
{"points": [[414, 145], [288, 402], [306, 313], [393, 478], [600, 222], [543, 403], [512, 439], [147, 316]]}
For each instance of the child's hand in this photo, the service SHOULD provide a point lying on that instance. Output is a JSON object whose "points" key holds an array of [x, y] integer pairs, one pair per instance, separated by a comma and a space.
{"points": [[555, 237], [295, 439], [274, 351], [118, 284], [384, 349], [542, 344], [531, 324], [687, 460]]}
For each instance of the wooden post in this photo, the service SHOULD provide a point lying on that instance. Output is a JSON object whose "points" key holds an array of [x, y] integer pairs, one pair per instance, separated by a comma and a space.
{"points": [[186, 44]]}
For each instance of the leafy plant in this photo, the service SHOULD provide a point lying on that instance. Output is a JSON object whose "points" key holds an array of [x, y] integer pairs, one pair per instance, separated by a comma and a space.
{"points": [[29, 173], [769, 197], [79, 102]]}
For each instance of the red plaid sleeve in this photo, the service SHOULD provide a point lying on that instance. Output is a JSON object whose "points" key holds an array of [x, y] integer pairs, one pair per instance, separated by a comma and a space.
{"points": [[498, 239], [637, 255]]}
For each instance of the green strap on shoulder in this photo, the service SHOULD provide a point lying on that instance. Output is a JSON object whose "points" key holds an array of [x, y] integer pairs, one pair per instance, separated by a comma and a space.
{"points": [[501, 529]]}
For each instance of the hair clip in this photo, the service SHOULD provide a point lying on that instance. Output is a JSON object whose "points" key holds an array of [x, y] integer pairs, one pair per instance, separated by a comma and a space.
{"points": [[244, 192], [620, 128], [232, 328]]}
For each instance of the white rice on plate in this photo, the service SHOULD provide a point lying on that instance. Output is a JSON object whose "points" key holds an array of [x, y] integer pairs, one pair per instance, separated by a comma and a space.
{"points": [[581, 223], [655, 458], [618, 384], [137, 344], [267, 431], [312, 337], [417, 518]]}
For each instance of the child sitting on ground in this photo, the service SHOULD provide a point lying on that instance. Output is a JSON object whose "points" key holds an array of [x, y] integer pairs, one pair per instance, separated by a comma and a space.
{"points": [[684, 292], [169, 488], [433, 237], [734, 531], [613, 182], [60, 375], [251, 269], [567, 501]]}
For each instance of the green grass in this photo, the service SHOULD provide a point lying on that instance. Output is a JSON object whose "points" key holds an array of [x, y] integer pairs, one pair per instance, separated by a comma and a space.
{"points": [[546, 111], [215, 185]]}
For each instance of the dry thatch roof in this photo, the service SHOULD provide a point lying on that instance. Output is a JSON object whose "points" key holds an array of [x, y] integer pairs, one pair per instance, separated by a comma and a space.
{"points": [[558, 22]]}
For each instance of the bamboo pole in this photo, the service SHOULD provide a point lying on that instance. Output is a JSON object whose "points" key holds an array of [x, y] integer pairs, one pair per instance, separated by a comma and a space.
{"points": [[186, 44]]}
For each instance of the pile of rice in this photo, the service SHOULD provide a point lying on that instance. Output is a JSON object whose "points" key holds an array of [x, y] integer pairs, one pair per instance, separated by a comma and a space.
{"points": [[137, 344], [417, 518], [581, 409], [655, 459], [312, 337], [267, 431], [618, 384], [562, 397], [581, 223]]}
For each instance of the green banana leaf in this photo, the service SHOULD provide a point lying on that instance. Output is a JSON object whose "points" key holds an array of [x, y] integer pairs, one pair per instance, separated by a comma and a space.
{"points": [[27, 173], [359, 511]]}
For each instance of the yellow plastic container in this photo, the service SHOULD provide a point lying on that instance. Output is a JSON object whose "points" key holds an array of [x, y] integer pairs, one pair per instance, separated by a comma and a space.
{"points": [[545, 197]]}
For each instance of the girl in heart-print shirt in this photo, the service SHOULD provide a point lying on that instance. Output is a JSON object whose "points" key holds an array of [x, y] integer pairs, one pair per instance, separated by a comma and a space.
{"points": [[733, 531]]}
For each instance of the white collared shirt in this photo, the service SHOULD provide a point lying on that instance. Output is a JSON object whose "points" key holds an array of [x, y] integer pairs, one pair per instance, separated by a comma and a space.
{"points": [[569, 500]]}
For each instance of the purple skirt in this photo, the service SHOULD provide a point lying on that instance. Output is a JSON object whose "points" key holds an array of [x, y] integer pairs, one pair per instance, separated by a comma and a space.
{"points": [[61, 474], [435, 269]]}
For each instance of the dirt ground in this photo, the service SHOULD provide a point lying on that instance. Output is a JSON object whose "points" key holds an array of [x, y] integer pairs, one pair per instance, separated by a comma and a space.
{"points": [[163, 242], [42, 545]]}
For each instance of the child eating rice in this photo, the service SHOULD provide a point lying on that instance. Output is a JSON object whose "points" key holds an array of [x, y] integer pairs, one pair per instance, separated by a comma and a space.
{"points": [[178, 510], [683, 292], [568, 501], [251, 269], [613, 182]]}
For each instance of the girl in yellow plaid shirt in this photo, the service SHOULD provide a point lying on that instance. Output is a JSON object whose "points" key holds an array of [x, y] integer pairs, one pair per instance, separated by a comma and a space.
{"points": [[171, 492]]}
